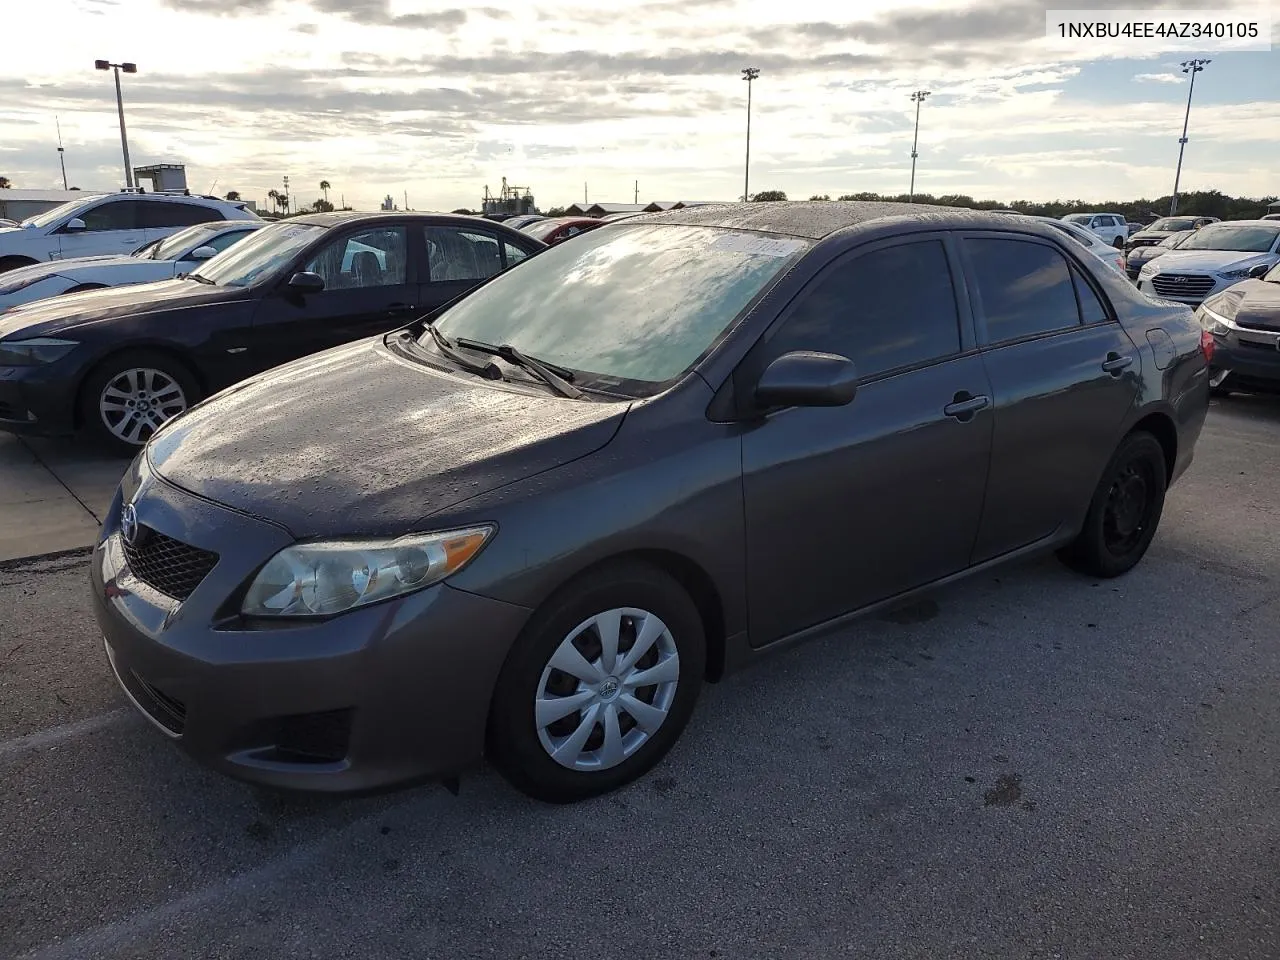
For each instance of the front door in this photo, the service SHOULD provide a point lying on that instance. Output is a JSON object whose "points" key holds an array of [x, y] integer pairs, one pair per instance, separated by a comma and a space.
{"points": [[846, 506], [1064, 375], [111, 228], [369, 288]]}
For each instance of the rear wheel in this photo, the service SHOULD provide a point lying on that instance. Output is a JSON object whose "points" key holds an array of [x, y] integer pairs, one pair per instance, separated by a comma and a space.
{"points": [[599, 686], [1125, 510], [129, 396]]}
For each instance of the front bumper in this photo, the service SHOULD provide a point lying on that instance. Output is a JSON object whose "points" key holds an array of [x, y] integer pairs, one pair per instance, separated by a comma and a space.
{"points": [[393, 693], [1252, 358], [39, 400]]}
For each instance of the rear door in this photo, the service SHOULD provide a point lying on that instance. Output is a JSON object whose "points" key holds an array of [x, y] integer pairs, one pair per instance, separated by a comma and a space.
{"points": [[370, 287], [113, 226], [1064, 375], [458, 258], [164, 217], [849, 505]]}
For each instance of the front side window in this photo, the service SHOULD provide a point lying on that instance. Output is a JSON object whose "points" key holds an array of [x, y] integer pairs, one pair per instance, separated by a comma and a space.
{"points": [[260, 256], [628, 309], [1025, 288], [886, 309], [224, 240], [68, 210], [112, 215], [373, 258], [454, 254]]}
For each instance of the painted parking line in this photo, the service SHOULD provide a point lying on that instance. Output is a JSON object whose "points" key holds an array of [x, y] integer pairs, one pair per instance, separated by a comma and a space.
{"points": [[44, 739]]}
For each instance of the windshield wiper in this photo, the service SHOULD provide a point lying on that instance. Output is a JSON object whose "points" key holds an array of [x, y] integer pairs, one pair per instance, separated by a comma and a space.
{"points": [[557, 378], [488, 369], [196, 276]]}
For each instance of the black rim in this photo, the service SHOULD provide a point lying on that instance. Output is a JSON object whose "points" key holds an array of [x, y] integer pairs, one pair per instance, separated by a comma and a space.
{"points": [[1129, 508]]}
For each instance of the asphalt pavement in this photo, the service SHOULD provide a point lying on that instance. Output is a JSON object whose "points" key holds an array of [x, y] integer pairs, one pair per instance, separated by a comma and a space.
{"points": [[1027, 765]]}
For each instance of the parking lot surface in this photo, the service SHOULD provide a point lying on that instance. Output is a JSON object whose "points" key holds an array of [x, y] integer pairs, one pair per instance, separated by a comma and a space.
{"points": [[1029, 764]]}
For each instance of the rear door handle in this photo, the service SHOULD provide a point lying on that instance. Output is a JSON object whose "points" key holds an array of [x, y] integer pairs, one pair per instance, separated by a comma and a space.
{"points": [[1115, 363], [962, 408]]}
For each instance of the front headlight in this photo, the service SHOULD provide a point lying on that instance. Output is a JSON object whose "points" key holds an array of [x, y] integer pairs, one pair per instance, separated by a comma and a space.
{"points": [[1235, 274], [29, 353], [1217, 315], [328, 577], [1148, 270]]}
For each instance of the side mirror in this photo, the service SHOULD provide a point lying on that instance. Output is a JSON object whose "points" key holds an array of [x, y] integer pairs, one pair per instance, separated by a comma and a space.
{"points": [[202, 253], [806, 379], [306, 282], [1260, 271], [74, 225]]}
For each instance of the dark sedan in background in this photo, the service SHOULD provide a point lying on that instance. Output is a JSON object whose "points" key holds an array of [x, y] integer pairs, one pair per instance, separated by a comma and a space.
{"points": [[533, 526], [558, 229], [1244, 321], [1164, 228], [1139, 257], [119, 362]]}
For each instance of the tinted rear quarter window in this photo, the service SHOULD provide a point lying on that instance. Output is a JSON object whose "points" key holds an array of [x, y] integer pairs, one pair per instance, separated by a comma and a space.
{"points": [[166, 213], [886, 309], [1025, 288]]}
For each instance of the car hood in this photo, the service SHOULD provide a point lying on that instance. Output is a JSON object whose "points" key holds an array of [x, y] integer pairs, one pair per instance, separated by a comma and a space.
{"points": [[1214, 261], [1154, 234], [354, 441], [1259, 303], [73, 310]]}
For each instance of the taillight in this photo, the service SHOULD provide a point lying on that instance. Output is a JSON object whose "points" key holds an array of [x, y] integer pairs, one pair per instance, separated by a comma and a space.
{"points": [[1206, 345]]}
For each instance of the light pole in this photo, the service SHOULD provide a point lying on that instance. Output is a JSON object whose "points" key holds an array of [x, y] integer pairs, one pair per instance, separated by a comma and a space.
{"points": [[917, 98], [1192, 67], [748, 74], [124, 140]]}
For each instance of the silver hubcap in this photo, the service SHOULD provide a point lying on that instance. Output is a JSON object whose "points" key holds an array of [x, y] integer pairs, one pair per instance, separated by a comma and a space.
{"points": [[607, 689], [1218, 378], [138, 401]]}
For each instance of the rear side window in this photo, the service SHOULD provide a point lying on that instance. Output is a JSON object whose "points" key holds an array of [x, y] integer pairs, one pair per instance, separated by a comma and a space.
{"points": [[513, 253], [1025, 288], [454, 254], [886, 309], [166, 213], [1092, 309], [224, 240]]}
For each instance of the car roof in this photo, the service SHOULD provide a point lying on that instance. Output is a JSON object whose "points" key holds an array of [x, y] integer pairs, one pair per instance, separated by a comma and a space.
{"points": [[815, 219], [339, 217]]}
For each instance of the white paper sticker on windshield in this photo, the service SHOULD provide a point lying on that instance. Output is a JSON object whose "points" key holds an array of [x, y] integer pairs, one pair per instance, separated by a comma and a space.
{"points": [[761, 246]]}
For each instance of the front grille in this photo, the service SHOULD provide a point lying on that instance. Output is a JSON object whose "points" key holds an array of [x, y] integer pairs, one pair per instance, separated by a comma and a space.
{"points": [[1182, 284], [1255, 345], [1145, 241], [167, 711], [1257, 325], [168, 565]]}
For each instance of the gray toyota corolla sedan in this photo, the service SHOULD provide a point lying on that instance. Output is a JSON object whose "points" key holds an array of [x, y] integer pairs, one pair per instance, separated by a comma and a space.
{"points": [[530, 526]]}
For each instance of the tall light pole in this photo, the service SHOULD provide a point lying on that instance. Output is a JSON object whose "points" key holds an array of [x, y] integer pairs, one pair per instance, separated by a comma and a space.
{"points": [[124, 140], [1192, 67], [748, 74], [62, 159], [917, 98]]}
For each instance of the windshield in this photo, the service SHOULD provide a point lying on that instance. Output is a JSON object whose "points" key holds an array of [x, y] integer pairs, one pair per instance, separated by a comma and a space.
{"points": [[258, 256], [1083, 237], [50, 217], [1177, 240], [629, 309], [1077, 218], [1227, 237], [1172, 225], [170, 247]]}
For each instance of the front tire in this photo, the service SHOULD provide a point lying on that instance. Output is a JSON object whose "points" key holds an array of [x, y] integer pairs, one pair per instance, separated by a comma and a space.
{"points": [[1125, 510], [599, 686], [127, 397]]}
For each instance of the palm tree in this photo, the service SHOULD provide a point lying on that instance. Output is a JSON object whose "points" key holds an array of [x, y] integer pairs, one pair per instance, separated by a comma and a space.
{"points": [[5, 183], [233, 195], [274, 196], [324, 185]]}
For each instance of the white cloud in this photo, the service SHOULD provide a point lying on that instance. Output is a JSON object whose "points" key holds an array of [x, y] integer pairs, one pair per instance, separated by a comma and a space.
{"points": [[1158, 78]]}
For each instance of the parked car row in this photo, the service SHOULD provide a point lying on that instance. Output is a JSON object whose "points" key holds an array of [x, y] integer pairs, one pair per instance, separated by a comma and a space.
{"points": [[525, 523]]}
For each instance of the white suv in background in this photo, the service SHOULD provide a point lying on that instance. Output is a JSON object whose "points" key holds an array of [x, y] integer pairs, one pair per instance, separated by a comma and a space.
{"points": [[1111, 227], [109, 224]]}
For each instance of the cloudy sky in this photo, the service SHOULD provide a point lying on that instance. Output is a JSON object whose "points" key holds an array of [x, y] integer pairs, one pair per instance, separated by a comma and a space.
{"points": [[437, 99]]}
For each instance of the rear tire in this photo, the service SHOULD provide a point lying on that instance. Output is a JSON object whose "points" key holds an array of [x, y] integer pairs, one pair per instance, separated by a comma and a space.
{"points": [[560, 736], [1125, 510], [126, 398]]}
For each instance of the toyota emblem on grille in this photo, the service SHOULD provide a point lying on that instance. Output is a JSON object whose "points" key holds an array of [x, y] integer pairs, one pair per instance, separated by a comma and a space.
{"points": [[129, 524]]}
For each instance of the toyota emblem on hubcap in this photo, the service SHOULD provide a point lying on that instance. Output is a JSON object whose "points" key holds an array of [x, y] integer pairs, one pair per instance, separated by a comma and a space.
{"points": [[129, 523], [609, 688]]}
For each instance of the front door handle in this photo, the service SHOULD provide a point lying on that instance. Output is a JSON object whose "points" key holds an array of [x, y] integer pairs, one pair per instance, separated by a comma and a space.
{"points": [[965, 405], [1116, 363], [401, 307]]}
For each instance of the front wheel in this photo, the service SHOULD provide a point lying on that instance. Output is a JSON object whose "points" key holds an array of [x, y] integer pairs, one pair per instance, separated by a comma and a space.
{"points": [[129, 396], [599, 686], [1125, 510]]}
